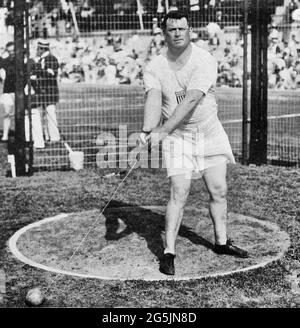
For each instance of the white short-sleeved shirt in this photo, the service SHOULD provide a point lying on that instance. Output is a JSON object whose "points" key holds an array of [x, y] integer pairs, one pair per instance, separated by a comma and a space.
{"points": [[213, 147], [200, 73]]}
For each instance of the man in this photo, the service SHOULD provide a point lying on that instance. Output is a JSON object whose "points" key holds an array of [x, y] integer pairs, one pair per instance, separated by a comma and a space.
{"points": [[180, 88], [46, 71], [37, 129], [3, 17], [7, 99]]}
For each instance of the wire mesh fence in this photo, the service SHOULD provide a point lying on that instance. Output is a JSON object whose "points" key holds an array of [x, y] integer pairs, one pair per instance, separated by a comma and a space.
{"points": [[102, 47], [284, 87]]}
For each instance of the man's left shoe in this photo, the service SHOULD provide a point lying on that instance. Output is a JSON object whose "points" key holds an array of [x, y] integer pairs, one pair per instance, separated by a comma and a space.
{"points": [[167, 264], [230, 249]]}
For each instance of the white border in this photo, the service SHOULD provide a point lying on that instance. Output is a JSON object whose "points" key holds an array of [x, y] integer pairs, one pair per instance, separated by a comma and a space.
{"points": [[12, 244]]}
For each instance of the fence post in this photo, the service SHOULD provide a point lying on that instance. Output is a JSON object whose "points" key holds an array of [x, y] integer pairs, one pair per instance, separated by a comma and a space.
{"points": [[20, 143], [259, 83], [245, 127], [28, 82]]}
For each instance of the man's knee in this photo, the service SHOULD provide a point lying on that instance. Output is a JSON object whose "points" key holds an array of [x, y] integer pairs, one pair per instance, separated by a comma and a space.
{"points": [[8, 111], [218, 192], [8, 115], [179, 195]]}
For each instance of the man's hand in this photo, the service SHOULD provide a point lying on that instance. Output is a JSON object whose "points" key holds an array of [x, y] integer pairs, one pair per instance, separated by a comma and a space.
{"points": [[157, 134], [143, 139]]}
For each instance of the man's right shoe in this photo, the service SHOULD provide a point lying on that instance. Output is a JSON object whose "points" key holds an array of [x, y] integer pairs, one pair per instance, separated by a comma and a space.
{"points": [[167, 264], [230, 249]]}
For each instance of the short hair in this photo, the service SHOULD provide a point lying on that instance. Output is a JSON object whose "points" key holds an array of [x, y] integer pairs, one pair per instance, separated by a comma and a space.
{"points": [[174, 14], [9, 44]]}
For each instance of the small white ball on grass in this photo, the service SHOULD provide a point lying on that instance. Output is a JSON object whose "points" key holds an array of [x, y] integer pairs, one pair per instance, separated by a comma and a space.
{"points": [[35, 297]]}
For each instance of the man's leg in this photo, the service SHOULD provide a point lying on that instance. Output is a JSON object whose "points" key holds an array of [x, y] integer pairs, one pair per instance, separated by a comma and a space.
{"points": [[215, 179], [52, 123], [43, 115], [37, 129], [180, 188], [6, 126], [8, 105]]}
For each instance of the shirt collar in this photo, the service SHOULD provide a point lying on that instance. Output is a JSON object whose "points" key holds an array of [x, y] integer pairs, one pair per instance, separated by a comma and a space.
{"points": [[45, 54]]}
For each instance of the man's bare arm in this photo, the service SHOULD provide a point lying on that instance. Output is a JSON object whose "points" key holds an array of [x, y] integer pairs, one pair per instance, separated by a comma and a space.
{"points": [[188, 104], [152, 113]]}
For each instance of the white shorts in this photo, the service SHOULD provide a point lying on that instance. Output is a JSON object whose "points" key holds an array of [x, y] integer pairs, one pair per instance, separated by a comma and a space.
{"points": [[8, 99], [190, 152]]}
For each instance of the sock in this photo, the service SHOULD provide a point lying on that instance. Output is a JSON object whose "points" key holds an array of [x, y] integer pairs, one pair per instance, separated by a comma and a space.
{"points": [[168, 251], [6, 126], [222, 243]]}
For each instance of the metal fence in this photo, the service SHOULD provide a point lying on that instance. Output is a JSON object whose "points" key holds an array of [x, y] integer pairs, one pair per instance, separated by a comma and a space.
{"points": [[102, 48], [284, 89]]}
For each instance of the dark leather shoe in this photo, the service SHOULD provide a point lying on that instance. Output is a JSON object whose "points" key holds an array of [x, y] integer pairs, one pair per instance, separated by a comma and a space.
{"points": [[167, 264], [230, 249]]}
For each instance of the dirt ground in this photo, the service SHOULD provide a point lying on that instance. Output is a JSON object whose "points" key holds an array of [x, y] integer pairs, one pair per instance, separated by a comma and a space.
{"points": [[126, 243]]}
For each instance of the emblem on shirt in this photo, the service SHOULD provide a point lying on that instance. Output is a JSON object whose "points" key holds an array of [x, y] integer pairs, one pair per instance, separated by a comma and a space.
{"points": [[180, 95]]}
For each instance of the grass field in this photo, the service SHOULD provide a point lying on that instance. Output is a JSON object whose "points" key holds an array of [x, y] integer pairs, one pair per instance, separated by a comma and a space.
{"points": [[86, 110], [266, 193]]}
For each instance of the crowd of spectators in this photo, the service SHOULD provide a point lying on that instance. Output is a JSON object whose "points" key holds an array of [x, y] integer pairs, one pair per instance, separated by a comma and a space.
{"points": [[93, 15], [283, 61], [106, 60], [117, 59]]}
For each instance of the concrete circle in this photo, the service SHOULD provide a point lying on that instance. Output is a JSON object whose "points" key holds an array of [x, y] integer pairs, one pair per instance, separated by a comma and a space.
{"points": [[125, 243]]}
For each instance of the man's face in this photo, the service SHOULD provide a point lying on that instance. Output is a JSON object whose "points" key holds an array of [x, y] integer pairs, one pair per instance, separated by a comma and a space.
{"points": [[41, 50], [11, 50], [177, 33]]}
